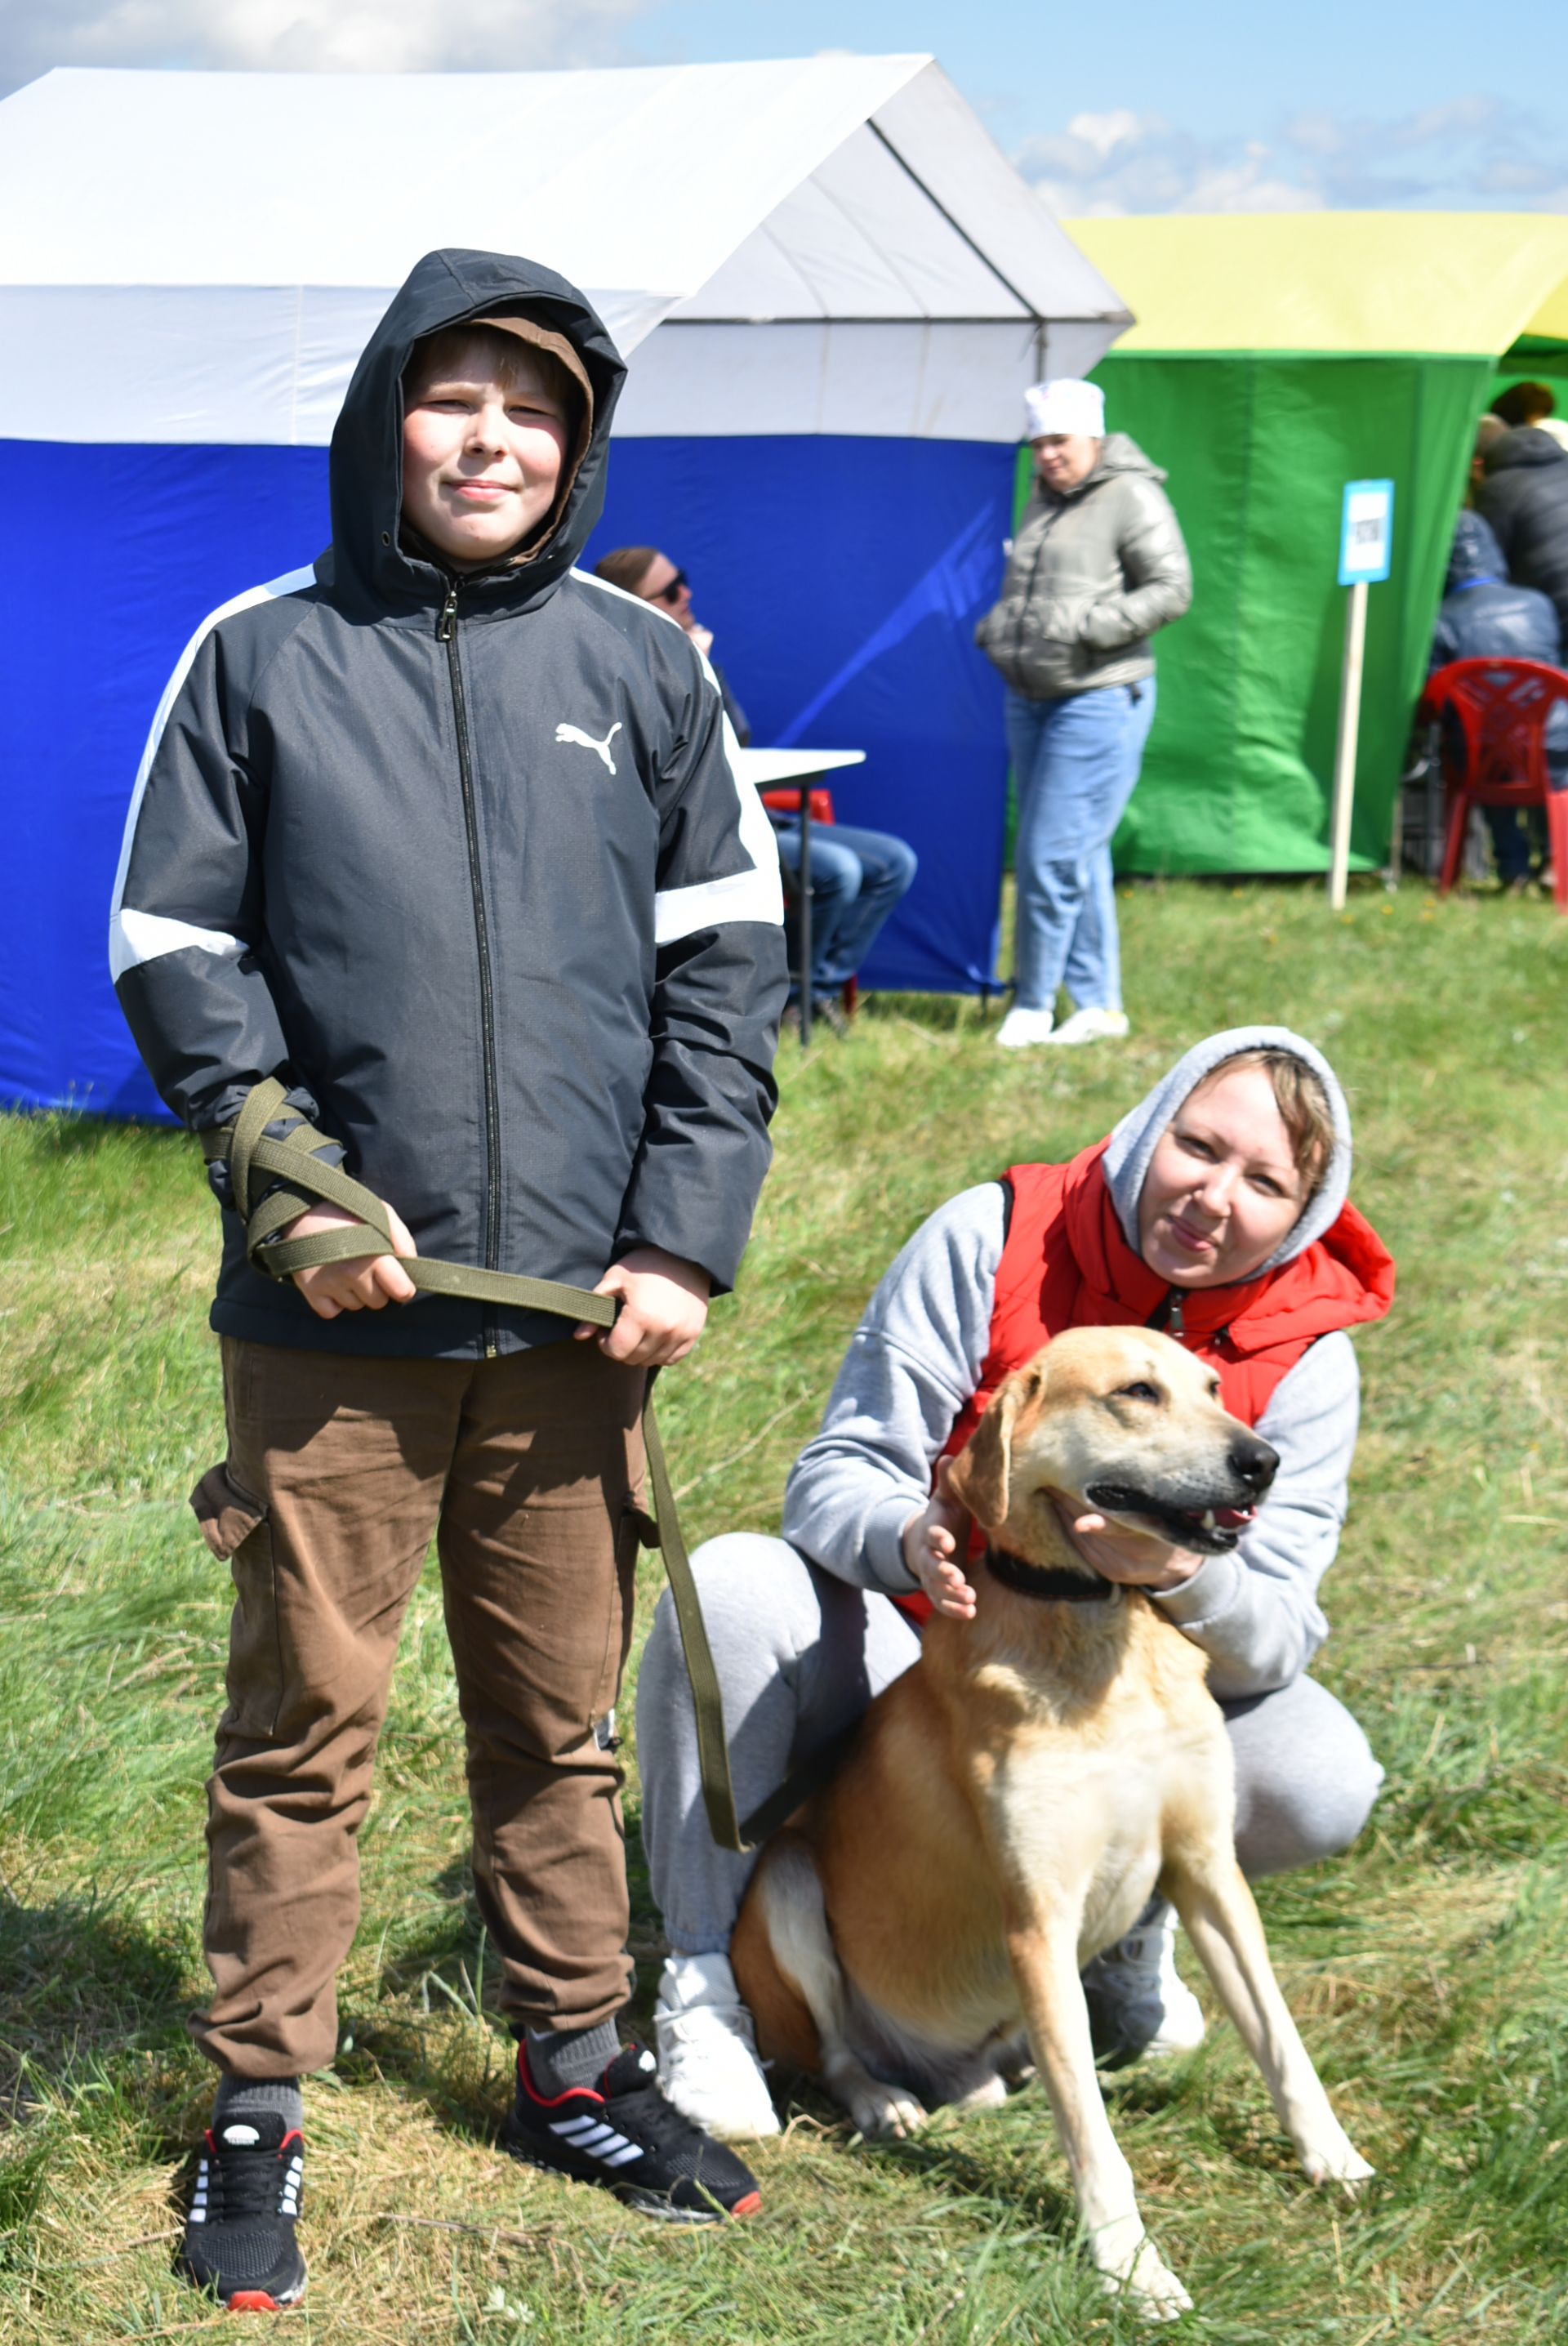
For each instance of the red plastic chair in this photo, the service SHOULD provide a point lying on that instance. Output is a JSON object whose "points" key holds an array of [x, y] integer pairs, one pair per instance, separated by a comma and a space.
{"points": [[787, 802], [1493, 748]]}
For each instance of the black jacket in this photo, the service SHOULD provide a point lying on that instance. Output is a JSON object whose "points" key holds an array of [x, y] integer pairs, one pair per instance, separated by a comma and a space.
{"points": [[464, 863], [1524, 497]]}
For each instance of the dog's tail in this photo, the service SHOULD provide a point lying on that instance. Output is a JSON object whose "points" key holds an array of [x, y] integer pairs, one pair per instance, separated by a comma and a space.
{"points": [[784, 1963]]}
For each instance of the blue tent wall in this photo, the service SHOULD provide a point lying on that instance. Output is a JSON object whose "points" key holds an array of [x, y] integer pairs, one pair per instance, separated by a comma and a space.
{"points": [[842, 576], [843, 579]]}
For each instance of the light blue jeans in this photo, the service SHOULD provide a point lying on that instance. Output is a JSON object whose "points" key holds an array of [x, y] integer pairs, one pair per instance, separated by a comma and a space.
{"points": [[1077, 763]]}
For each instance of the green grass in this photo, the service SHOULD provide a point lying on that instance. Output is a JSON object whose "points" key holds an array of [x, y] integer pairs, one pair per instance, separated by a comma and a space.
{"points": [[1427, 1967]]}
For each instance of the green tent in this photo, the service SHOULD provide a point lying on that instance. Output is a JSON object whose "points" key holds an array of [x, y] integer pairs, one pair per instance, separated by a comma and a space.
{"points": [[1275, 358]]}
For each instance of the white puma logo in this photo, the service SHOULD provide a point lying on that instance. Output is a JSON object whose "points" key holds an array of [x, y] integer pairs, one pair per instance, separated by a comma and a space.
{"points": [[586, 741]]}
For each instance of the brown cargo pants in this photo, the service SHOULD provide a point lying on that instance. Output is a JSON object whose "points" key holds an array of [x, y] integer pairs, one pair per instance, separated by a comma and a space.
{"points": [[527, 1469]]}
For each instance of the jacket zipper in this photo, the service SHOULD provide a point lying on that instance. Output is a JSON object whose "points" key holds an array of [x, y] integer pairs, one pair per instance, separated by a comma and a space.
{"points": [[447, 633]]}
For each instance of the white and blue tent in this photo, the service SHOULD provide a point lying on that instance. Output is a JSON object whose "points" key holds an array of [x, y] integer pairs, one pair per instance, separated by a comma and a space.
{"points": [[836, 289]]}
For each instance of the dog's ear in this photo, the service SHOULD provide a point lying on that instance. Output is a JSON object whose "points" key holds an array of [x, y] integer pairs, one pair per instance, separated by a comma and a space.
{"points": [[979, 1476]]}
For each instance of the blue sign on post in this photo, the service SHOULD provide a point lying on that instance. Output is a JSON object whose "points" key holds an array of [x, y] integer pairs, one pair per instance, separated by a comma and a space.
{"points": [[1367, 533]]}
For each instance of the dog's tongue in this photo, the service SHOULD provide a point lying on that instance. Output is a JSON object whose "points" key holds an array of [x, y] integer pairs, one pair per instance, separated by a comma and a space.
{"points": [[1231, 1519]]}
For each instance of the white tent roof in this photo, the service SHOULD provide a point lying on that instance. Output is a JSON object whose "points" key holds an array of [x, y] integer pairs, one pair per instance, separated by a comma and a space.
{"points": [[830, 244]]}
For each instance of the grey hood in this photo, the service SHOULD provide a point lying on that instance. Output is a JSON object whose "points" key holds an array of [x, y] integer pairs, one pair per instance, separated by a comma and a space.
{"points": [[1119, 452], [1133, 1143]]}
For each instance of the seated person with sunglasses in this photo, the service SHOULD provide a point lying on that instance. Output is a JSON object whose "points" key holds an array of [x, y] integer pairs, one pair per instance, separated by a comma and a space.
{"points": [[857, 876]]}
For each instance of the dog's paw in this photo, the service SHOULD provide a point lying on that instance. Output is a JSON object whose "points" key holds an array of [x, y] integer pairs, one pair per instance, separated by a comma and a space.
{"points": [[1149, 2288], [884, 2111], [1133, 2268], [1337, 2162]]}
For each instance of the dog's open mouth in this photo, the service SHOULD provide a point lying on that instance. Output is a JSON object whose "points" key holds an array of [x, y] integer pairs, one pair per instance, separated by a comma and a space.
{"points": [[1211, 1529]]}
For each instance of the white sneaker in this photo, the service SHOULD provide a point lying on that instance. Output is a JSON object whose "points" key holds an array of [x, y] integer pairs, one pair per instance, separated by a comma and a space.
{"points": [[1138, 2002], [1020, 1027], [1092, 1027], [707, 2061]]}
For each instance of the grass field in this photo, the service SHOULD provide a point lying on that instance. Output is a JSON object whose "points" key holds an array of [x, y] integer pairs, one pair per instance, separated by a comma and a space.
{"points": [[1428, 1968]]}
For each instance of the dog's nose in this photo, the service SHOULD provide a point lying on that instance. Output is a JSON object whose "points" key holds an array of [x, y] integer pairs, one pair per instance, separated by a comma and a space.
{"points": [[1254, 1463]]}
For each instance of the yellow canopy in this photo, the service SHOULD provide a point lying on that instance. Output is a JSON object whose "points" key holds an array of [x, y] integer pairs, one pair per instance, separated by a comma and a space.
{"points": [[1466, 283]]}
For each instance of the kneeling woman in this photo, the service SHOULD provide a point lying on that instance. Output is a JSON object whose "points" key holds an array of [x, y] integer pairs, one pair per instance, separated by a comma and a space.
{"points": [[1217, 1211]]}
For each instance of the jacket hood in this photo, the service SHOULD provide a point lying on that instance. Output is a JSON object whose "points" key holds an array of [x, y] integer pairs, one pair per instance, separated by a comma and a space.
{"points": [[449, 288], [1119, 453], [1524, 447], [1133, 1142], [1475, 556]]}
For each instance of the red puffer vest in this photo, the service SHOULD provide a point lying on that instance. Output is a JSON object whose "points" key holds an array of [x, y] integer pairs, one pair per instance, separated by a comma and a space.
{"points": [[1068, 1265]]}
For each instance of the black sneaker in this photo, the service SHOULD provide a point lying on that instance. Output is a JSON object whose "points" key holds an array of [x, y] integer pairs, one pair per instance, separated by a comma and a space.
{"points": [[625, 2134], [240, 2234]]}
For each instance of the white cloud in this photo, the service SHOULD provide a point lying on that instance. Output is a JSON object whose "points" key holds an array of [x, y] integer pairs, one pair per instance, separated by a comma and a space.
{"points": [[1125, 162], [1471, 152], [309, 36]]}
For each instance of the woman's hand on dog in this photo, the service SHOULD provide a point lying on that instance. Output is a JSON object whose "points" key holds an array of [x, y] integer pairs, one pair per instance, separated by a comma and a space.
{"points": [[933, 1543], [1135, 1559]]}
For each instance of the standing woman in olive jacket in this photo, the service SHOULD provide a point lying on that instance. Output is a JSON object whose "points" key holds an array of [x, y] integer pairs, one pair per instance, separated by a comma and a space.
{"points": [[1098, 564]]}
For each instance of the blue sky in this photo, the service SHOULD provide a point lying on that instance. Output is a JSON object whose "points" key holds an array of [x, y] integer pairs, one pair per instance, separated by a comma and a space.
{"points": [[1346, 102], [1135, 106]]}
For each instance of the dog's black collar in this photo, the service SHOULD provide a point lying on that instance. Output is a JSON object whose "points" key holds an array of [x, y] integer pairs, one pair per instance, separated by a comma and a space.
{"points": [[1048, 1580]]}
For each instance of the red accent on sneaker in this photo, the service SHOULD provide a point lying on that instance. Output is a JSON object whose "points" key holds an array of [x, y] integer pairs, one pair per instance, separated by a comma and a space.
{"points": [[551, 2101], [748, 2206], [293, 2135], [252, 2300]]}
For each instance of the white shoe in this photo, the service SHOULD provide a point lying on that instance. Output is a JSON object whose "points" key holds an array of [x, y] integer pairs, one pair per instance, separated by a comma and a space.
{"points": [[1020, 1027], [1138, 2002], [707, 2061], [1092, 1027]]}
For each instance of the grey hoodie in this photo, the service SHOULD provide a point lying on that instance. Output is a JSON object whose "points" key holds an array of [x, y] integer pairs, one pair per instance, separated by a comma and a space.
{"points": [[1092, 575], [917, 1355]]}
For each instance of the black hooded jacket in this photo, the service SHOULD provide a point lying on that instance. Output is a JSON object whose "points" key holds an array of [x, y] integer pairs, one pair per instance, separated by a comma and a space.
{"points": [[1484, 615], [462, 861], [1524, 497]]}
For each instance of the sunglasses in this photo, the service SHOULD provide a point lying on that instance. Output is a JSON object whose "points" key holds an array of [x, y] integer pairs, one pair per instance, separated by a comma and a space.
{"points": [[671, 589]]}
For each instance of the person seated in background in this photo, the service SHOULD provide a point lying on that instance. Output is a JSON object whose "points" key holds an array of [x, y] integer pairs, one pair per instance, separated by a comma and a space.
{"points": [[857, 876], [1484, 615], [1531, 406]]}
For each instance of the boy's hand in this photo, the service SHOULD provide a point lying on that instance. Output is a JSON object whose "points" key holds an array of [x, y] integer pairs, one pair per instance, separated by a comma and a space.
{"points": [[664, 1305], [934, 1545], [359, 1283]]}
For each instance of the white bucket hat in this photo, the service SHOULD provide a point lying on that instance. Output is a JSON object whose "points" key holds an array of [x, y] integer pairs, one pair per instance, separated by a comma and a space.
{"points": [[1065, 405]]}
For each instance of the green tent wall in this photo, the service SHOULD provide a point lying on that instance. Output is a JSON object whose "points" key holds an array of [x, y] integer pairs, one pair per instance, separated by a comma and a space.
{"points": [[1273, 361], [1258, 449]]}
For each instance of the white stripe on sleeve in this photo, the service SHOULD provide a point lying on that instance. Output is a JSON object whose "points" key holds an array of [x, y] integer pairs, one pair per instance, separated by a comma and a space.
{"points": [[136, 937]]}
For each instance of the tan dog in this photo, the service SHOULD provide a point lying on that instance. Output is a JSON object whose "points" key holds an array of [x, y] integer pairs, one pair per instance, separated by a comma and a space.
{"points": [[1009, 1804]]}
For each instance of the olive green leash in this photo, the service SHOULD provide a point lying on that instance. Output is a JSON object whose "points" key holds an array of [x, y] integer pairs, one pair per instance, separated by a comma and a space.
{"points": [[272, 1181]]}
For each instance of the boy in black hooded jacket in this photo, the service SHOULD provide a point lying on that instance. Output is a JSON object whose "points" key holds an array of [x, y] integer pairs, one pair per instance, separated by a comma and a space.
{"points": [[444, 836]]}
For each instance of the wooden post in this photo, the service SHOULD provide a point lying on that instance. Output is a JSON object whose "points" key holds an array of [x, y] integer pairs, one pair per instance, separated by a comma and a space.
{"points": [[1345, 745]]}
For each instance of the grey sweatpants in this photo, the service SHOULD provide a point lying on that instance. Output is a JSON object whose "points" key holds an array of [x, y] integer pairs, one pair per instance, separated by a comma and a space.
{"points": [[799, 1656]]}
